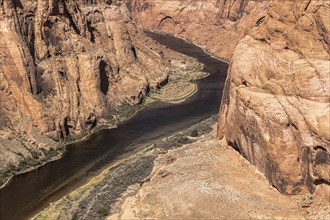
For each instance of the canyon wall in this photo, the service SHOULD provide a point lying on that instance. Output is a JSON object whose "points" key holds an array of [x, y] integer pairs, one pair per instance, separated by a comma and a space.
{"points": [[216, 25], [275, 109], [63, 65]]}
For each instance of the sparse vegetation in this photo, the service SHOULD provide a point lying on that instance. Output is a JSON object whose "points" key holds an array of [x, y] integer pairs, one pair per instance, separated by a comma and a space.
{"points": [[107, 189], [103, 212], [183, 140], [34, 154], [194, 133], [74, 217], [123, 112]]}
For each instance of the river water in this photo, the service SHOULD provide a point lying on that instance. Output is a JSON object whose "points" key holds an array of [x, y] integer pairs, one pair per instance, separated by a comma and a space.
{"points": [[31, 192]]}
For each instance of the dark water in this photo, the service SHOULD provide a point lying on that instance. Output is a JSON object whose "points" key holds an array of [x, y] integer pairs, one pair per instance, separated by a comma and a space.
{"points": [[28, 193]]}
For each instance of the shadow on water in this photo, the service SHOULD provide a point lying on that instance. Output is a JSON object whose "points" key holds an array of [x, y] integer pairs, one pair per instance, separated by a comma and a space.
{"points": [[31, 192]]}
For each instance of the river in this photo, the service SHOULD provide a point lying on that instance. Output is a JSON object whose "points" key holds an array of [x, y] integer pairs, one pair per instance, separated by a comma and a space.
{"points": [[31, 192]]}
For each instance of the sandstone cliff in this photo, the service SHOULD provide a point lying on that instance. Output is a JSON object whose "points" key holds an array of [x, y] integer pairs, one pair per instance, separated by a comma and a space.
{"points": [[64, 65], [275, 108], [215, 25]]}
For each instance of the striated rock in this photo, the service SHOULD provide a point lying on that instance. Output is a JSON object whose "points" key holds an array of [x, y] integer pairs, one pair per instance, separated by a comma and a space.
{"points": [[65, 64], [276, 108], [215, 25]]}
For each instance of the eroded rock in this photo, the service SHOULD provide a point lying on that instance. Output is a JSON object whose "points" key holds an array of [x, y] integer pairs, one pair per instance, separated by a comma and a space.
{"points": [[215, 25], [65, 64], [275, 108]]}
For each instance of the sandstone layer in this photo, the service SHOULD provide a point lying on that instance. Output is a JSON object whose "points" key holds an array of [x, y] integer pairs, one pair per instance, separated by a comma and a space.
{"points": [[65, 64], [275, 107], [214, 25]]}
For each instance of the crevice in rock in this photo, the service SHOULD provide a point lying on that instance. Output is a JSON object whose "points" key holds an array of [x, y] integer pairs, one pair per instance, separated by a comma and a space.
{"points": [[66, 126], [293, 125], [235, 146], [321, 181], [31, 87], [68, 15], [306, 7], [104, 81], [134, 51], [91, 31], [260, 20], [319, 148]]}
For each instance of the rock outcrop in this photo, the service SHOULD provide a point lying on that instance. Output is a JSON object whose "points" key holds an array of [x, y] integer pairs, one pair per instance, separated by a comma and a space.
{"points": [[275, 109], [64, 65]]}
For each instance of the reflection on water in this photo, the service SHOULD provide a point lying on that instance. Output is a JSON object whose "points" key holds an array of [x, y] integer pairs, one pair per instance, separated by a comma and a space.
{"points": [[31, 192]]}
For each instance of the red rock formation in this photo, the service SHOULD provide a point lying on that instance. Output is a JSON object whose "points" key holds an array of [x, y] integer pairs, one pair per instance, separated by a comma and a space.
{"points": [[275, 107], [63, 64], [215, 25]]}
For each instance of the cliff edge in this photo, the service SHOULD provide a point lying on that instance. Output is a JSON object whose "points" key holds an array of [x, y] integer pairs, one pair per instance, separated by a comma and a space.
{"points": [[275, 110]]}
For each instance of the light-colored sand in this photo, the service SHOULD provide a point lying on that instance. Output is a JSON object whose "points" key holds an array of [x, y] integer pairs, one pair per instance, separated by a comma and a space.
{"points": [[176, 92], [180, 87]]}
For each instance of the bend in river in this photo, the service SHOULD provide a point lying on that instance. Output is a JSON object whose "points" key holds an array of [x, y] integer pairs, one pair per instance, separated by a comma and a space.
{"points": [[29, 193]]}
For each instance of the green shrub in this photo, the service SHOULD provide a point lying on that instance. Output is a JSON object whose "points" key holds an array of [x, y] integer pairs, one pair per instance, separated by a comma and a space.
{"points": [[22, 164], [183, 140], [75, 216], [34, 154], [103, 212], [194, 133]]}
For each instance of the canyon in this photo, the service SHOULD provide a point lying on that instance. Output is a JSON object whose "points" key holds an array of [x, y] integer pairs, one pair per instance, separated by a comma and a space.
{"points": [[69, 68], [112, 149], [275, 109], [66, 65]]}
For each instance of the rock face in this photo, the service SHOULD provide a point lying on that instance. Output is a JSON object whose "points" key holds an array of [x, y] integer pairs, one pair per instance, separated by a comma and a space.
{"points": [[275, 108], [64, 64], [215, 25]]}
